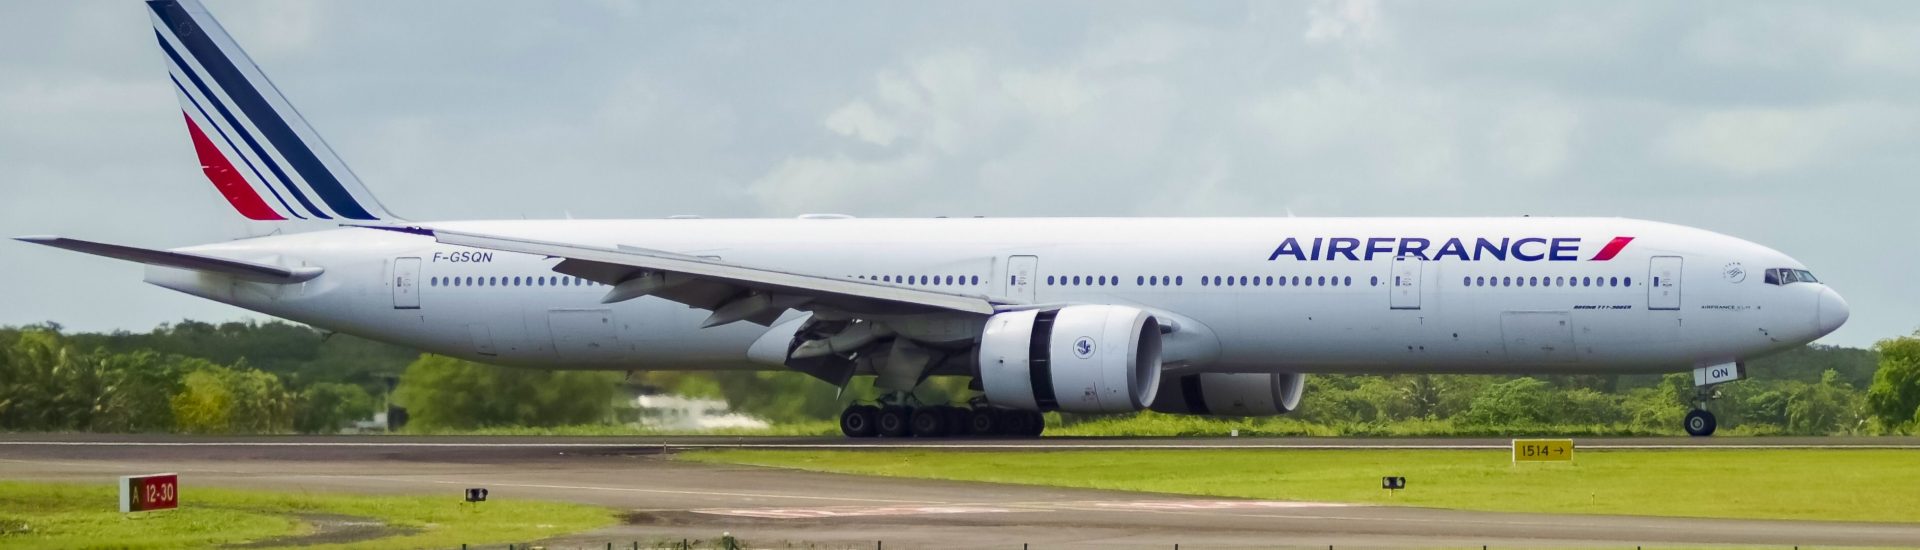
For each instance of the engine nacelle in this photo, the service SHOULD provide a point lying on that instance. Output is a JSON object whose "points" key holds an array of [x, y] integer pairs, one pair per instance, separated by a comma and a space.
{"points": [[1231, 394], [1083, 359]]}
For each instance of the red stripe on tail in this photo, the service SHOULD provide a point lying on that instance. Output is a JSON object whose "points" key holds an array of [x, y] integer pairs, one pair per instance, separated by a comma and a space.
{"points": [[1612, 249], [231, 184]]}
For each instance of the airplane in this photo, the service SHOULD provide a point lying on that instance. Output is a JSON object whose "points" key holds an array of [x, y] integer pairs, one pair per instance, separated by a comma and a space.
{"points": [[1199, 316]]}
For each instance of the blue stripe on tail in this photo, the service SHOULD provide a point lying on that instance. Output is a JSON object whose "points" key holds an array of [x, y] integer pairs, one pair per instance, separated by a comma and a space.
{"points": [[262, 114], [231, 145], [238, 128]]}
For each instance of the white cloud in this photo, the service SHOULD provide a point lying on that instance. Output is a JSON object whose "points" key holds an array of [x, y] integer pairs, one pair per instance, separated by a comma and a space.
{"points": [[1757, 141], [1815, 37], [1532, 140], [1344, 21]]}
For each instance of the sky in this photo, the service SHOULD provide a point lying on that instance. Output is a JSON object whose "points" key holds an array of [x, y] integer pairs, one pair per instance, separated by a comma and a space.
{"points": [[1794, 125]]}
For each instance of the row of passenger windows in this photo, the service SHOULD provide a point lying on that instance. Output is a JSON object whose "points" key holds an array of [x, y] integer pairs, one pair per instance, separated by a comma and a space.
{"points": [[1547, 281], [1101, 280], [511, 281], [934, 280]]}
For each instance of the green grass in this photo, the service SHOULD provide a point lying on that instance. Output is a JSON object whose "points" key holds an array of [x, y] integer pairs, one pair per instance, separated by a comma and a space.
{"points": [[806, 428], [1856, 485], [1174, 425], [57, 515]]}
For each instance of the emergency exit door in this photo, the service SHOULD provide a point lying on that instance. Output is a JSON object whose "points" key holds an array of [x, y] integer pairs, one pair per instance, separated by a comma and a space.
{"points": [[406, 283], [1021, 271], [1663, 283], [1404, 284]]}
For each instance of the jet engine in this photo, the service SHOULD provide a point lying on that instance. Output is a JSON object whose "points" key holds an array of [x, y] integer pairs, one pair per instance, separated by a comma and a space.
{"points": [[1083, 359], [1231, 394]]}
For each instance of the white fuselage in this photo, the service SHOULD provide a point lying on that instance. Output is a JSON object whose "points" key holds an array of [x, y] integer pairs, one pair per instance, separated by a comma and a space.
{"points": [[1430, 310]]}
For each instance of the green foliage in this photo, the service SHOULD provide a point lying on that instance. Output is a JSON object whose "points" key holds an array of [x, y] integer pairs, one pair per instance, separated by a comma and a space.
{"points": [[58, 515], [1895, 394], [49, 383], [328, 407], [446, 393], [1517, 401], [277, 377]]}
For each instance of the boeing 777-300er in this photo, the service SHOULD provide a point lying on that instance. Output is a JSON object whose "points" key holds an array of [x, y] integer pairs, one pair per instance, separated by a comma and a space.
{"points": [[1202, 316]]}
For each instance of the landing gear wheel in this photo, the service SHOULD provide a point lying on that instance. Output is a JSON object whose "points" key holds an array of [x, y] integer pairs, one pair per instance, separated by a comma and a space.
{"points": [[1017, 423], [983, 422], [958, 419], [1700, 423], [1036, 423], [893, 421], [930, 422], [858, 420]]}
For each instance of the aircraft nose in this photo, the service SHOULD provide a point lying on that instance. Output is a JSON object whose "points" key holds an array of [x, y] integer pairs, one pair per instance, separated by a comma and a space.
{"points": [[1832, 311]]}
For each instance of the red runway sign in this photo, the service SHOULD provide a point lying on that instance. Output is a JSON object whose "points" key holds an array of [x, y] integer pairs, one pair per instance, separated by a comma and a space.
{"points": [[149, 492]]}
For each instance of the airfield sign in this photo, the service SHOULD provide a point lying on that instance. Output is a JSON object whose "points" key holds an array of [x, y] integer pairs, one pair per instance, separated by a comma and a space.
{"points": [[1542, 450], [149, 492]]}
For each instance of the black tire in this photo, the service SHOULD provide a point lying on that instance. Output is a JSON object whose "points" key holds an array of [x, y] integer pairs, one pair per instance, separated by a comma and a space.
{"points": [[895, 421], [1036, 423], [930, 422], [957, 420], [1016, 423], [983, 422], [1701, 423], [858, 421]]}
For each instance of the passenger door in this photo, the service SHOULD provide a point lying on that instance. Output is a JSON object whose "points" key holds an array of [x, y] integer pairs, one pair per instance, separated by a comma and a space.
{"points": [[406, 283], [1021, 271], [1405, 282], [1663, 283]]}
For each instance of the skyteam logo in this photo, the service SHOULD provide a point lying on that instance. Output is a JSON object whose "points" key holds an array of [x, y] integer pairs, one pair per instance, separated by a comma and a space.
{"points": [[1526, 249], [1083, 348]]}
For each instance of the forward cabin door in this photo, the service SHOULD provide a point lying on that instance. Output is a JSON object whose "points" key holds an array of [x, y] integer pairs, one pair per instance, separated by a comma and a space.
{"points": [[1021, 271], [1405, 282], [1663, 283], [406, 283]]}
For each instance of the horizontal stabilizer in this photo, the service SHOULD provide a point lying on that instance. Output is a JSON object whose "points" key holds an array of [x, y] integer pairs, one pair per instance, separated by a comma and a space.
{"points": [[247, 271]]}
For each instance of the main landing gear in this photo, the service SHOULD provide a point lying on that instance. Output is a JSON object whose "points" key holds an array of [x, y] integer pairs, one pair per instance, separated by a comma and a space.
{"points": [[904, 420]]}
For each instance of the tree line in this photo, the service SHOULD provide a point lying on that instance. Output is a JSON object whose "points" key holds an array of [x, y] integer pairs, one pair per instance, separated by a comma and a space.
{"points": [[276, 377]]}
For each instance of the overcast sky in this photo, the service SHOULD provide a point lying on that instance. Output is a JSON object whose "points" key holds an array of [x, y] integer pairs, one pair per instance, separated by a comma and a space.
{"points": [[1795, 125]]}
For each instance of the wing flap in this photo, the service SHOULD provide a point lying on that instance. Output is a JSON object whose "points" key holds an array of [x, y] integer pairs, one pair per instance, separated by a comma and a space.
{"points": [[715, 284], [244, 270]]}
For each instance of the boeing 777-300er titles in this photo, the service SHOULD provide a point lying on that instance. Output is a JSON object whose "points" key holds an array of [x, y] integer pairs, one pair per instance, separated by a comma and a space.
{"points": [[1207, 316]]}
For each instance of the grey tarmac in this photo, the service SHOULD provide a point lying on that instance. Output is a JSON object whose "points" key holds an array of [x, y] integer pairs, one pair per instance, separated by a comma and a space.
{"points": [[670, 500]]}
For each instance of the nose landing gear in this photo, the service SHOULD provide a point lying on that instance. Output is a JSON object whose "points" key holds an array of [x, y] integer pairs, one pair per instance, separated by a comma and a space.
{"points": [[1700, 421]]}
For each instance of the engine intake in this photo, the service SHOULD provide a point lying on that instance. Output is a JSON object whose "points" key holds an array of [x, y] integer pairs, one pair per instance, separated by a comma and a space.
{"points": [[1231, 394], [1083, 359]]}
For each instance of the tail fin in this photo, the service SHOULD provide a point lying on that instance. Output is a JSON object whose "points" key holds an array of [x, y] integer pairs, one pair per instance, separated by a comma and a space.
{"points": [[255, 148]]}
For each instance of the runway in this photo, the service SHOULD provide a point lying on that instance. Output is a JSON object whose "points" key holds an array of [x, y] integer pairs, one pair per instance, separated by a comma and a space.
{"points": [[958, 443], [669, 500]]}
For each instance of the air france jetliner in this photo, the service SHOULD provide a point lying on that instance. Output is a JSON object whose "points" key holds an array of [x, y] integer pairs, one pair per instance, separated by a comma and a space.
{"points": [[1208, 316]]}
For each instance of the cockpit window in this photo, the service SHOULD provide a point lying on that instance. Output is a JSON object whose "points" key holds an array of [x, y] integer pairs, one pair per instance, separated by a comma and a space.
{"points": [[1786, 276]]}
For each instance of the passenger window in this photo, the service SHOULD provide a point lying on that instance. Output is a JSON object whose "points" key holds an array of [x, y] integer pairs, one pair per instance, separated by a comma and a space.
{"points": [[1374, 281], [1615, 281], [1627, 281]]}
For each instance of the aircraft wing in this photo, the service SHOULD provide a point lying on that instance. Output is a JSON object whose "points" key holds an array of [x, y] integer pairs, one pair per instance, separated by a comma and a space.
{"points": [[243, 270], [733, 292]]}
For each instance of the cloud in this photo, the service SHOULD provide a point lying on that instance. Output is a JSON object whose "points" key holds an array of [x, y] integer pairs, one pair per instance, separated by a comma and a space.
{"points": [[1344, 21], [1758, 141]]}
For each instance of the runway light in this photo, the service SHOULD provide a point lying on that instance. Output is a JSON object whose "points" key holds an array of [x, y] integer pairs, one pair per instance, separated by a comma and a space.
{"points": [[476, 495]]}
